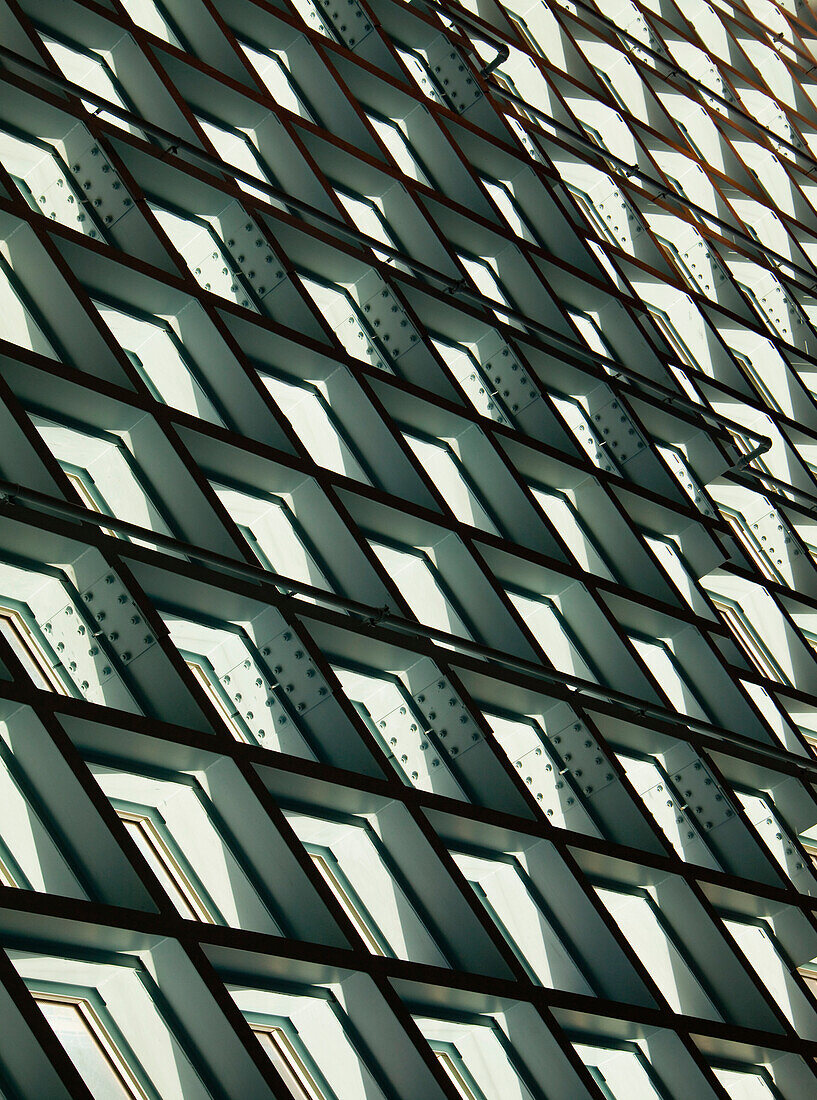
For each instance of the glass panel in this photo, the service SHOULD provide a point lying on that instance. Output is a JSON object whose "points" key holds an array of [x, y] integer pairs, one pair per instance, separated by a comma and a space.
{"points": [[508, 208], [96, 1065], [156, 357], [209, 689], [313, 424], [89, 71], [546, 624], [567, 522], [281, 1052], [420, 588], [237, 149], [455, 1075], [346, 902], [744, 1085], [15, 630], [103, 473], [366, 217], [276, 76], [588, 326], [476, 1057], [145, 13], [17, 324], [160, 860], [666, 965], [273, 535], [392, 137], [620, 1073], [661, 664], [759, 948], [446, 474]]}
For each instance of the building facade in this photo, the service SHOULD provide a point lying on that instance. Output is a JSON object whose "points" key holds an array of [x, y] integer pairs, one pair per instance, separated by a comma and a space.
{"points": [[408, 528]]}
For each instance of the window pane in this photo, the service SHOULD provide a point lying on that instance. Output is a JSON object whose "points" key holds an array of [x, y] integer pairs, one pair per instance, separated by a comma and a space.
{"points": [[281, 1052], [314, 426], [153, 352], [30, 654], [741, 1085], [455, 1075], [420, 589], [392, 137], [665, 963], [451, 482], [95, 1065], [165, 868], [88, 71], [621, 1071], [346, 903]]}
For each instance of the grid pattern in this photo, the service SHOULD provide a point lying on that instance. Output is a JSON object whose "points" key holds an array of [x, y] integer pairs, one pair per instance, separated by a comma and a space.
{"points": [[408, 604]]}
